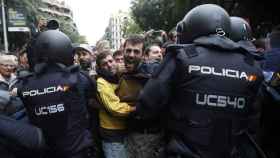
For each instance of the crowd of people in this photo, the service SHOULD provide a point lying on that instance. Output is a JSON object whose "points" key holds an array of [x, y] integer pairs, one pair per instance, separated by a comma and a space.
{"points": [[207, 89]]}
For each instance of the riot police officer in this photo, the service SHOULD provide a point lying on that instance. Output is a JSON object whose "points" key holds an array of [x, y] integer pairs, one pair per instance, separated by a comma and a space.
{"points": [[208, 85], [18, 139], [240, 29], [55, 96], [241, 33]]}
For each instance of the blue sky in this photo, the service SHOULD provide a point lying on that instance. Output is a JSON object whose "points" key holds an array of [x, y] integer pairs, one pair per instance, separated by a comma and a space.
{"points": [[92, 16]]}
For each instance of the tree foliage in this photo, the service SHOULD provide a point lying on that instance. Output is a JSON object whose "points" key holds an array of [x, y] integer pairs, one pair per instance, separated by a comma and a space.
{"points": [[129, 27], [165, 14], [159, 14], [68, 27], [30, 7]]}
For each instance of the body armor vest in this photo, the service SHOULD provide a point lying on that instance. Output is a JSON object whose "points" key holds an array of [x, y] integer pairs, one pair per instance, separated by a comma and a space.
{"points": [[55, 103], [213, 100]]}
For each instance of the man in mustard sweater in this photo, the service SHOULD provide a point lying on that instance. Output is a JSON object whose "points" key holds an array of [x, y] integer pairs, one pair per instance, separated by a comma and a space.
{"points": [[113, 113]]}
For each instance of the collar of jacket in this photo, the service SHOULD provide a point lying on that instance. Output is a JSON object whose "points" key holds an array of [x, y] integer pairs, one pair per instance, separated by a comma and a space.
{"points": [[248, 45], [217, 41], [138, 72], [2, 79], [108, 76], [42, 67]]}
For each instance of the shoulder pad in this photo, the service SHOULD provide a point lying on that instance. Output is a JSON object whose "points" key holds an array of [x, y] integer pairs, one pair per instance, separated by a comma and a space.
{"points": [[174, 47], [73, 68], [40, 68], [258, 57], [85, 74], [216, 42], [190, 50], [24, 74]]}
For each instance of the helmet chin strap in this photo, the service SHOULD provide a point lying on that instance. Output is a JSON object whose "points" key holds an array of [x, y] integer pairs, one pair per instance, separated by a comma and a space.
{"points": [[220, 32]]}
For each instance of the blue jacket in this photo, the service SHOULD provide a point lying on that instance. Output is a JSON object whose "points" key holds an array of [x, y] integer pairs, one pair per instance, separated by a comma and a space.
{"points": [[272, 60]]}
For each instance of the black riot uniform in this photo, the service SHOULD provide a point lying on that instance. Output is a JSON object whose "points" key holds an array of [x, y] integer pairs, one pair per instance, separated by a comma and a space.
{"points": [[55, 96], [18, 139], [208, 84]]}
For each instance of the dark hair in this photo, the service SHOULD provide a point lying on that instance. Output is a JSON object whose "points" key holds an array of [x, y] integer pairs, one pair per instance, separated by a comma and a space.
{"points": [[100, 56], [117, 53], [135, 39], [166, 44], [157, 37], [260, 43], [148, 49], [172, 34]]}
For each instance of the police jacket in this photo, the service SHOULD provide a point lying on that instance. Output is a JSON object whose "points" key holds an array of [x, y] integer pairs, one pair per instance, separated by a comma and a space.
{"points": [[55, 98], [272, 58], [208, 88], [17, 137]]}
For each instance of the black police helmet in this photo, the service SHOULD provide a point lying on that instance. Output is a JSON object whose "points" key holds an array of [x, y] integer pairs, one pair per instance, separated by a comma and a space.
{"points": [[240, 29], [179, 30], [204, 20], [53, 46], [52, 24]]}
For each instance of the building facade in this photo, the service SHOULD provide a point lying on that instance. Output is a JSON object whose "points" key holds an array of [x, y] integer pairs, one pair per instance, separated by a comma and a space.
{"points": [[115, 29], [57, 9]]}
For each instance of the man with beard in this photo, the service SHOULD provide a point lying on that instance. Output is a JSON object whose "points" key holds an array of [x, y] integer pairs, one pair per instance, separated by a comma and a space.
{"points": [[153, 58], [84, 56], [143, 138], [85, 59], [113, 112]]}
